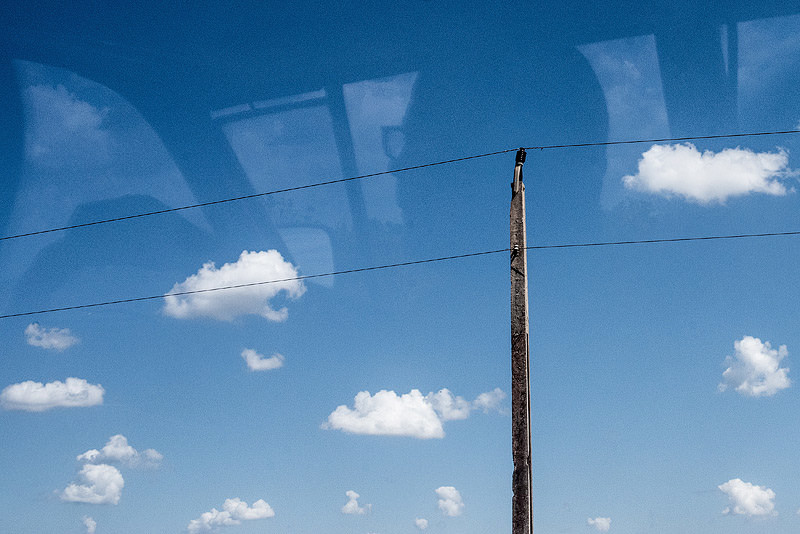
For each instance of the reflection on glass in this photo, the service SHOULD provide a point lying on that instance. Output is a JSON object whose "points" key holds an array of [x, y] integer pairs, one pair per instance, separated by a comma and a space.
{"points": [[769, 73], [290, 141], [628, 72], [290, 148], [84, 143], [294, 147], [724, 44], [311, 250], [375, 111], [288, 100]]}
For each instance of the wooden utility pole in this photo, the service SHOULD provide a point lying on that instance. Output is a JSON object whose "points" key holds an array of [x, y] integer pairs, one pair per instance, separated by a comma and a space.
{"points": [[522, 508]]}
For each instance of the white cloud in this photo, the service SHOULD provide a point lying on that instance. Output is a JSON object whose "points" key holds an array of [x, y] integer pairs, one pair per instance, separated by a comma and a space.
{"points": [[33, 396], [225, 305], [49, 338], [387, 414], [102, 484], [421, 523], [234, 511], [259, 362], [709, 177], [489, 401], [239, 509], [754, 370], [411, 414], [117, 450], [352, 507], [450, 502], [448, 406], [748, 499], [90, 524], [602, 524]]}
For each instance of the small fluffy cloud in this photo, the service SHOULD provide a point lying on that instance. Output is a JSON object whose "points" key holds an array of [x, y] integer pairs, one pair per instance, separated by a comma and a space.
{"points": [[388, 414], [748, 499], [489, 401], [352, 506], [448, 406], [225, 305], [117, 450], [421, 523], [90, 524], [101, 484], [259, 362], [602, 524], [32, 396], [233, 512], [49, 338], [754, 370], [411, 414], [450, 502], [709, 177]]}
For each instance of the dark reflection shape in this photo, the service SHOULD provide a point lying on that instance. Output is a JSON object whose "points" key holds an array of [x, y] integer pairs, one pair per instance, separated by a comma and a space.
{"points": [[769, 73], [11, 142], [698, 89], [112, 260]]}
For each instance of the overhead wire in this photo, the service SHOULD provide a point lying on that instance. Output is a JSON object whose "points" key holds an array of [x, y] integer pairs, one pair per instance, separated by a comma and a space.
{"points": [[382, 173], [396, 265], [663, 140], [253, 195]]}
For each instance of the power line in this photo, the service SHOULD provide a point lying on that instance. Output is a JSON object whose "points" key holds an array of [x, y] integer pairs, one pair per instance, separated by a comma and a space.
{"points": [[668, 240], [254, 195], [663, 140], [251, 284], [401, 264], [374, 174]]}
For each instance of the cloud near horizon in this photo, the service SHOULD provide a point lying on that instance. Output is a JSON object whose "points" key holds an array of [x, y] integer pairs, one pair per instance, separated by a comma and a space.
{"points": [[709, 177], [226, 305], [234, 511], [754, 369], [59, 339], [411, 414], [748, 499], [33, 396]]}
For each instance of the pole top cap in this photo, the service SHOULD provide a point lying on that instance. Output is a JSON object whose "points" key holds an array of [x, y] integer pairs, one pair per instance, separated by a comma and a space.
{"points": [[521, 155]]}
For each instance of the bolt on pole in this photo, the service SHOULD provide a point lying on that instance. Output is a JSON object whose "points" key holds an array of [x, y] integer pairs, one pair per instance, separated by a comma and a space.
{"points": [[522, 480]]}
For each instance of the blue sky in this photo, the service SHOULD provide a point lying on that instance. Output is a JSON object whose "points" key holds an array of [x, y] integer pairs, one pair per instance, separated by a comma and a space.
{"points": [[664, 393]]}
